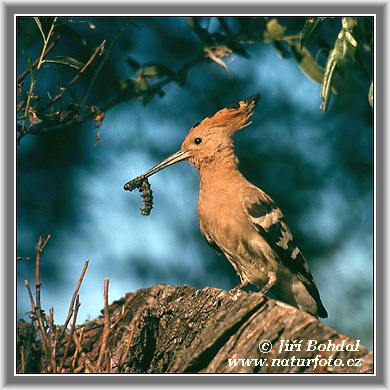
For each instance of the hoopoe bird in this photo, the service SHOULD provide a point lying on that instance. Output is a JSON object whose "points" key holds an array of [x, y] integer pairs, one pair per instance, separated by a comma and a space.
{"points": [[240, 220]]}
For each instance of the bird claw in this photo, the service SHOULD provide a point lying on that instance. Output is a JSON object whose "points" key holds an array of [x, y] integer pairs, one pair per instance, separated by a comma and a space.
{"points": [[269, 284], [235, 292]]}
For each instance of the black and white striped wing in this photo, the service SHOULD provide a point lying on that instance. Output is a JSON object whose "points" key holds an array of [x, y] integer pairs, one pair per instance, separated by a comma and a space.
{"points": [[270, 223]]}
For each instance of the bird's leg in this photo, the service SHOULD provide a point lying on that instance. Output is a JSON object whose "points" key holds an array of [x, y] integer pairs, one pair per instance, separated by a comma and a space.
{"points": [[239, 287], [269, 284], [236, 291]]}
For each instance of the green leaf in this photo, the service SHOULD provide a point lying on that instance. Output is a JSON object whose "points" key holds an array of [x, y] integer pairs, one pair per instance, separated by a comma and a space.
{"points": [[134, 64], [345, 44], [307, 31], [307, 63], [156, 70], [327, 81], [371, 95], [282, 49], [141, 85], [181, 76], [273, 31], [70, 61], [147, 98], [344, 48], [349, 23]]}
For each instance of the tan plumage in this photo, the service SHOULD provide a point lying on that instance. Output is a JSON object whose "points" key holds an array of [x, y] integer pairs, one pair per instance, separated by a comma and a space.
{"points": [[240, 220]]}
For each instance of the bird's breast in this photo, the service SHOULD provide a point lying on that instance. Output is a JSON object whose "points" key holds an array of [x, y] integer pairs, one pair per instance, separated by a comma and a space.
{"points": [[223, 219], [224, 222]]}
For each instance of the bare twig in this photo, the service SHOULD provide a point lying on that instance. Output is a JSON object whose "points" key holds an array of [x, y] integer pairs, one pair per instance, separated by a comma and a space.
{"points": [[22, 76], [27, 106], [102, 62], [78, 369], [27, 285], [129, 339], [76, 291], [89, 329], [106, 328], [77, 342], [54, 349], [53, 340], [76, 309], [22, 364], [46, 40], [122, 96], [108, 361], [39, 251], [20, 105], [38, 23], [83, 355], [122, 315], [77, 351], [38, 324], [98, 50]]}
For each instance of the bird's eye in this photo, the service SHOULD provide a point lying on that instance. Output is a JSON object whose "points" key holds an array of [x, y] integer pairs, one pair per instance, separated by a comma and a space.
{"points": [[198, 140]]}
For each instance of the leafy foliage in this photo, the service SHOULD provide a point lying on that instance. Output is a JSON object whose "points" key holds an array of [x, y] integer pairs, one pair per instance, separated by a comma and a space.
{"points": [[39, 111]]}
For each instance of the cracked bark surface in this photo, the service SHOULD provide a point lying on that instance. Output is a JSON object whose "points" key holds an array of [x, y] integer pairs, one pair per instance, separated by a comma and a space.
{"points": [[168, 329]]}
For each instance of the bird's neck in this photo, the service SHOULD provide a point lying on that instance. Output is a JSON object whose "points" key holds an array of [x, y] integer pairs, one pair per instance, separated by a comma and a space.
{"points": [[222, 161], [223, 165]]}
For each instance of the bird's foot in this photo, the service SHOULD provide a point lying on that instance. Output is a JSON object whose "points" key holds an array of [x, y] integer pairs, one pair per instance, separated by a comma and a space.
{"points": [[236, 291], [269, 284]]}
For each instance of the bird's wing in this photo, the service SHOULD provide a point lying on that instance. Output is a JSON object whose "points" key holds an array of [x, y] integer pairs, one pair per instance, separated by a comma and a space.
{"points": [[269, 221]]}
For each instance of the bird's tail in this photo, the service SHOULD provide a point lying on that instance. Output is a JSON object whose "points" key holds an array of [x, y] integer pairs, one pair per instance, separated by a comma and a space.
{"points": [[321, 311]]}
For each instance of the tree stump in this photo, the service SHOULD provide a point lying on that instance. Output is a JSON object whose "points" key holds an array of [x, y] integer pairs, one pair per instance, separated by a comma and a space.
{"points": [[168, 329]]}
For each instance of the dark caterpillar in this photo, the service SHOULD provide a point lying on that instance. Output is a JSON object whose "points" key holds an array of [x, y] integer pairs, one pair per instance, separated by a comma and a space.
{"points": [[143, 186]]}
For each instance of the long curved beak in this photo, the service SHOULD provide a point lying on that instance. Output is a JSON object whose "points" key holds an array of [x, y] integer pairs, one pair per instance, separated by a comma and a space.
{"points": [[172, 159]]}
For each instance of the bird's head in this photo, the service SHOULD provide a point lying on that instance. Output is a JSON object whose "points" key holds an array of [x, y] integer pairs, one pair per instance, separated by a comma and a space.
{"points": [[212, 136]]}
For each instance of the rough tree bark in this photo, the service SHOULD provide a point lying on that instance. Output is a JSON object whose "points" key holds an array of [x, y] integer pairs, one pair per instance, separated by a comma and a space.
{"points": [[167, 329]]}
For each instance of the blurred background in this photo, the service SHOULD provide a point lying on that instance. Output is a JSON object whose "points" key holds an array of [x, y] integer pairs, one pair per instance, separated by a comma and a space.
{"points": [[131, 106]]}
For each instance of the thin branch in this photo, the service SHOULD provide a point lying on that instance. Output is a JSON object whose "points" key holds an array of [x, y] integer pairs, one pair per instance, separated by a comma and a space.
{"points": [[108, 361], [225, 26], [38, 23], [27, 285], [54, 350], [20, 105], [102, 62], [89, 329], [83, 355], [122, 96], [106, 328], [98, 50], [22, 364], [75, 294], [77, 351], [39, 251], [76, 310], [22, 76], [45, 42], [27, 106], [53, 340], [40, 61], [38, 324]]}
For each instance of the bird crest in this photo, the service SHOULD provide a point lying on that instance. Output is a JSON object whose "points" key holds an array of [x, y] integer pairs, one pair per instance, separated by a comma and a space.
{"points": [[231, 118]]}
